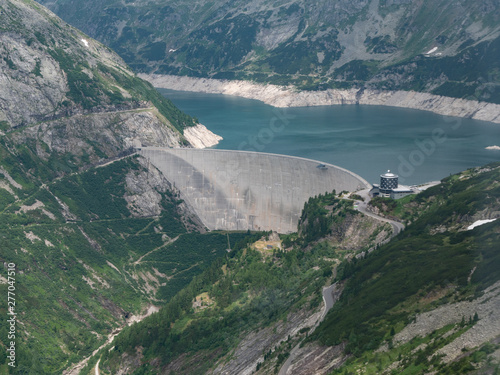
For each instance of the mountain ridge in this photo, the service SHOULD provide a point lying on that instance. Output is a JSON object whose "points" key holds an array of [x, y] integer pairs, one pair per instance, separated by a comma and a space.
{"points": [[78, 209], [444, 47], [96, 233]]}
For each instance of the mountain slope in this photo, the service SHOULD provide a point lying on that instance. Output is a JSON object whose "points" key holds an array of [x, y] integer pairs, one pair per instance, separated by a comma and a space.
{"points": [[426, 275], [82, 219], [49, 70], [235, 314], [425, 301], [444, 47]]}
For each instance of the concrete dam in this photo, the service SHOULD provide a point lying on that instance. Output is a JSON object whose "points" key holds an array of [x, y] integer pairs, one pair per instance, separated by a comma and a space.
{"points": [[240, 190]]}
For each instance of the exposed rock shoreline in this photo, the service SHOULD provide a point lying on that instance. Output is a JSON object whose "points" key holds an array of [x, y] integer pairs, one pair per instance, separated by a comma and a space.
{"points": [[279, 96], [200, 137]]}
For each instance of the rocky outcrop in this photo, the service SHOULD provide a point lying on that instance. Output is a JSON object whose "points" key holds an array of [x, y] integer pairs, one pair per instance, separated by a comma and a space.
{"points": [[43, 91], [98, 135], [200, 137], [315, 359], [46, 64], [145, 191], [251, 350], [144, 188], [488, 327], [280, 96], [72, 94]]}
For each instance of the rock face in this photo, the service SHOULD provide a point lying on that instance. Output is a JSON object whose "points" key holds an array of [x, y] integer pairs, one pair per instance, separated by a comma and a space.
{"points": [[314, 359], [280, 96], [20, 87], [40, 62], [67, 93], [253, 347], [200, 137], [99, 135], [486, 307]]}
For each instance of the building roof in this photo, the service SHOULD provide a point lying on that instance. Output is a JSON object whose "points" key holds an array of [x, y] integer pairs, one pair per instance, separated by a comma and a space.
{"points": [[402, 189], [388, 174]]}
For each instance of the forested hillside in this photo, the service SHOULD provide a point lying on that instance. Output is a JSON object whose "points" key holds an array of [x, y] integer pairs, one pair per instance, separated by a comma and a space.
{"points": [[436, 262], [92, 235], [257, 295], [409, 306]]}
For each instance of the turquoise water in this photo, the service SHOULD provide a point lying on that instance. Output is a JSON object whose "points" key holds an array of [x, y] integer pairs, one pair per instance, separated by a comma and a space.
{"points": [[368, 140]]}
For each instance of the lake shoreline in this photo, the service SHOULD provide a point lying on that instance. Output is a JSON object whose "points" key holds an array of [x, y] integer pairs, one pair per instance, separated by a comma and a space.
{"points": [[200, 137], [284, 97]]}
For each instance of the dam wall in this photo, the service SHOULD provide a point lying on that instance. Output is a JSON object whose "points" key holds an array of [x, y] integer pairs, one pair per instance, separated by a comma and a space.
{"points": [[240, 190]]}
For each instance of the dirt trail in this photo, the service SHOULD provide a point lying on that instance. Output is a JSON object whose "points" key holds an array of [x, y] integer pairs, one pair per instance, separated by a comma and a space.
{"points": [[171, 241], [75, 370]]}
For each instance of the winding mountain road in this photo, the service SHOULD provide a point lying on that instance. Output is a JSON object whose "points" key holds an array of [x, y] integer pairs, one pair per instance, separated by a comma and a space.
{"points": [[330, 296], [362, 206], [332, 293]]}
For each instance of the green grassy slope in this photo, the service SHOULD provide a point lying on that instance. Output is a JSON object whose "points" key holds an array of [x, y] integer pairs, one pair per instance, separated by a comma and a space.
{"points": [[78, 251]]}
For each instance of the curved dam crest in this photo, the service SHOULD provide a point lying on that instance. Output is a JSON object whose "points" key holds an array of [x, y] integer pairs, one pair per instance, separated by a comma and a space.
{"points": [[242, 190]]}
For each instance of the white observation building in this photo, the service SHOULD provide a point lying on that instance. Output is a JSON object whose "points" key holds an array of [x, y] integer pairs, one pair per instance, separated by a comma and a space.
{"points": [[389, 187]]}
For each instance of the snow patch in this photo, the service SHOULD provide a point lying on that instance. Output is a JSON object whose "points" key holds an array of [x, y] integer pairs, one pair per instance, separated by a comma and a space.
{"points": [[432, 50], [85, 42], [478, 223]]}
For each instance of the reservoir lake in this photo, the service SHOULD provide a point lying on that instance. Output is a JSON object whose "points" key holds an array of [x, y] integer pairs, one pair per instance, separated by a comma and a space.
{"points": [[419, 146]]}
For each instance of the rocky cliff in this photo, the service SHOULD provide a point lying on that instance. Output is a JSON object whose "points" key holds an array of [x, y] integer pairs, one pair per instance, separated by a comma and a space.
{"points": [[71, 93]]}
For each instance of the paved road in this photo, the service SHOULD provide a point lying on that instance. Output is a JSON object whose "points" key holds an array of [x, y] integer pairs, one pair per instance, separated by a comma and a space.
{"points": [[330, 296], [332, 293], [362, 207]]}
